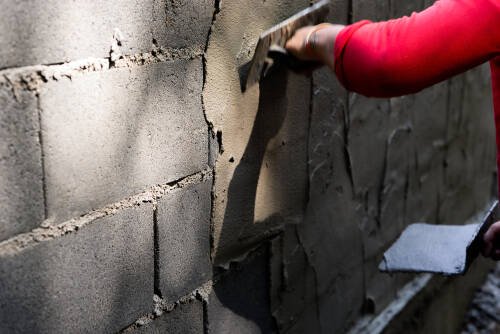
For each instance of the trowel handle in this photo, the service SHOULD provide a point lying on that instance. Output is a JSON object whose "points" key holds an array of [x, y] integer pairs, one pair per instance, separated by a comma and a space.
{"points": [[279, 54]]}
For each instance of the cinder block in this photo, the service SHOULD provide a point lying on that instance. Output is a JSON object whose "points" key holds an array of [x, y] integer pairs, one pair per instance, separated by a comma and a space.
{"points": [[184, 319], [113, 134], [21, 189], [98, 279], [239, 302], [43, 32], [184, 240]]}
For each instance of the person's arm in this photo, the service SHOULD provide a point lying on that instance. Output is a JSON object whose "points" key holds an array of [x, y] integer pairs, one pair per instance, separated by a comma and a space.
{"points": [[405, 55]]}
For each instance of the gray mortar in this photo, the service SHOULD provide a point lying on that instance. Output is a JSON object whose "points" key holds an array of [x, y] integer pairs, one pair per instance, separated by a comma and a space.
{"points": [[186, 318], [32, 78]]}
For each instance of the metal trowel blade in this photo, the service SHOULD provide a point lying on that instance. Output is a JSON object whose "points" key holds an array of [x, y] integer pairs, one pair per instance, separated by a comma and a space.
{"points": [[439, 249], [278, 35]]}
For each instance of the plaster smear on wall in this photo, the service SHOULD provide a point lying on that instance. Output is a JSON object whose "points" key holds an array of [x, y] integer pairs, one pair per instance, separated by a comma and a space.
{"points": [[261, 171]]}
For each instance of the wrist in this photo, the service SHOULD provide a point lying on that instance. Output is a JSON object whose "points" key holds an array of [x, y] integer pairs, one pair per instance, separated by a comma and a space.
{"points": [[322, 43]]}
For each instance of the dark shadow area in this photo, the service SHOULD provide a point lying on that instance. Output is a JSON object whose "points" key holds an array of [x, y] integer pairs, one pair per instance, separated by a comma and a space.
{"points": [[244, 290], [241, 193]]}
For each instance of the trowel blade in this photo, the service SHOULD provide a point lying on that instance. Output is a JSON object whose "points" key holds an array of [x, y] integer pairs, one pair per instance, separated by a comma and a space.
{"points": [[439, 249], [279, 34]]}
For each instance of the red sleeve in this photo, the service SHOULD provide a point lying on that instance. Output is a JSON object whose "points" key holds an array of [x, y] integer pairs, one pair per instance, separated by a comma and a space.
{"points": [[405, 55]]}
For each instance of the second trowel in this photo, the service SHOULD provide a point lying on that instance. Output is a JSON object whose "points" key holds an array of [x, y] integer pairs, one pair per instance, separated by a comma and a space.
{"points": [[440, 249]]}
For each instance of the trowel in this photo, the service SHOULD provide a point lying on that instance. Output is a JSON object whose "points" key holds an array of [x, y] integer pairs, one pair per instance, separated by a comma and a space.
{"points": [[439, 249], [271, 45]]}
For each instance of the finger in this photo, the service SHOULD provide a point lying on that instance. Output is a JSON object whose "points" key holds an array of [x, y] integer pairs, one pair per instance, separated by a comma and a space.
{"points": [[487, 247], [492, 233]]}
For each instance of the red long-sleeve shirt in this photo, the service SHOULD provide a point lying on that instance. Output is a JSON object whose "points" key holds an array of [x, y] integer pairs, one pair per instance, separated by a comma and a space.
{"points": [[406, 55]]}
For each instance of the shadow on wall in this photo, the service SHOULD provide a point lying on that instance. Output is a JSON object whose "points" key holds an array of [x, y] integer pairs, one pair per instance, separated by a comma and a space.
{"points": [[241, 193], [248, 300]]}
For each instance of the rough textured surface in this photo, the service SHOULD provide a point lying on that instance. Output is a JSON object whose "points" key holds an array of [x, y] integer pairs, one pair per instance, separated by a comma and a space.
{"points": [[234, 307], [377, 165], [186, 318], [96, 280], [21, 173], [261, 169], [112, 134], [293, 286], [45, 32], [183, 219]]}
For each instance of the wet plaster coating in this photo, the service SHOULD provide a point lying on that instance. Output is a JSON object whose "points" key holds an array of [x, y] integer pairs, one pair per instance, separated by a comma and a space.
{"points": [[366, 189], [261, 167]]}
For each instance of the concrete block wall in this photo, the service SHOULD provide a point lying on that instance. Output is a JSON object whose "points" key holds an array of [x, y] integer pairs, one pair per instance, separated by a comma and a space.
{"points": [[141, 191]]}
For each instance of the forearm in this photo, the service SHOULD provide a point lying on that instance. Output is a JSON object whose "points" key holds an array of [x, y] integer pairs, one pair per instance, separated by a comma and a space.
{"points": [[403, 56]]}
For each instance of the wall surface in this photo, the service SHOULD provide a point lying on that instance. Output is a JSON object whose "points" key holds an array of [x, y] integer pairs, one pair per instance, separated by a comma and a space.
{"points": [[142, 191]]}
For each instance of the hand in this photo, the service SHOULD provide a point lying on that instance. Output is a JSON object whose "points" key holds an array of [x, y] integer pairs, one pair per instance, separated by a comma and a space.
{"points": [[321, 44], [491, 238], [297, 44]]}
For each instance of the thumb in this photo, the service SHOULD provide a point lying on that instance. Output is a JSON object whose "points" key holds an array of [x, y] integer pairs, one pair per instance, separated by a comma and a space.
{"points": [[489, 238]]}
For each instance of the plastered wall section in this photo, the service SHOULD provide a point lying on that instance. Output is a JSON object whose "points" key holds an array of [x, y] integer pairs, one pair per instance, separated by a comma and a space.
{"points": [[372, 165]]}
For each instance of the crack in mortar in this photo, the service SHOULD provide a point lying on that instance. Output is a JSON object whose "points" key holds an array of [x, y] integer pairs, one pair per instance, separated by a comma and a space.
{"points": [[49, 231], [211, 134], [161, 306], [31, 78]]}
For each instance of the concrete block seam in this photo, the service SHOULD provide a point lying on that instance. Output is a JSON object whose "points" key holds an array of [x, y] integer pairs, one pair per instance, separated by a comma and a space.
{"points": [[48, 231], [161, 306], [31, 78]]}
